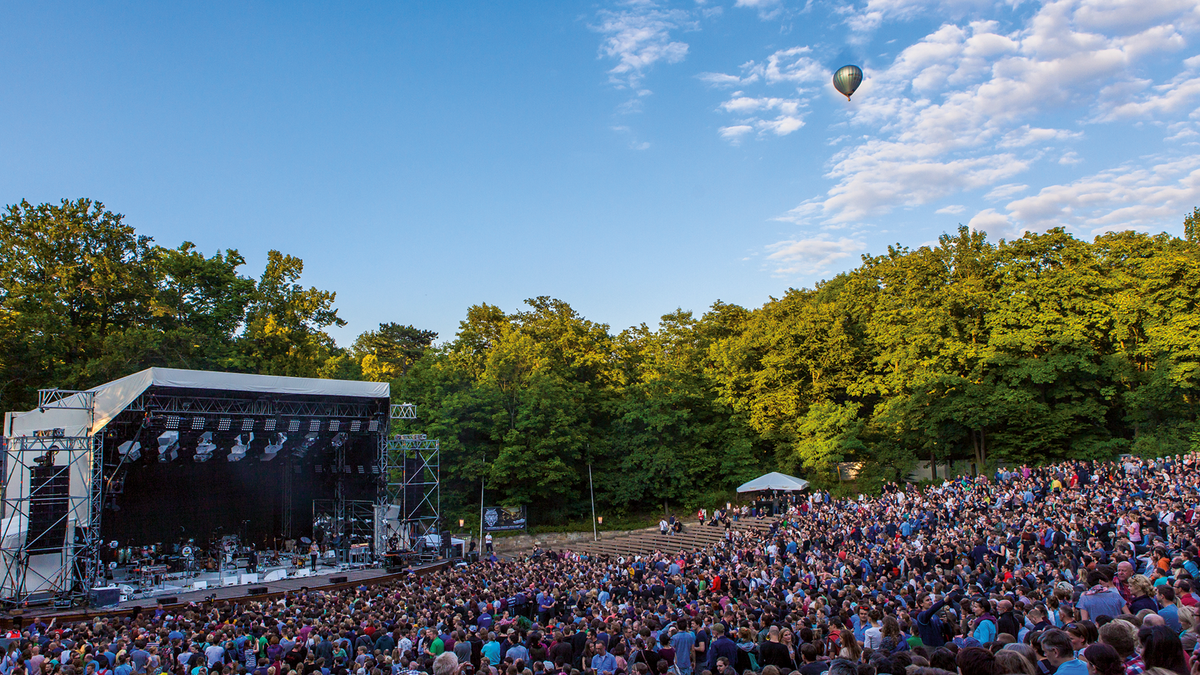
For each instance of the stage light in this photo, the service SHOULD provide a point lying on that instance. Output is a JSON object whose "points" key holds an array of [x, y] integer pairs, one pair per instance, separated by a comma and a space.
{"points": [[355, 426], [373, 426], [173, 421], [248, 424], [306, 444], [293, 426], [314, 425], [274, 447], [197, 423], [205, 448], [339, 439], [269, 425], [224, 424], [335, 425], [238, 452], [168, 446], [130, 450]]}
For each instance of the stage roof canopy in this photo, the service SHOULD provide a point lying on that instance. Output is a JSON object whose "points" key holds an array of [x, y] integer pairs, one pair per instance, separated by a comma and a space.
{"points": [[774, 481], [112, 398]]}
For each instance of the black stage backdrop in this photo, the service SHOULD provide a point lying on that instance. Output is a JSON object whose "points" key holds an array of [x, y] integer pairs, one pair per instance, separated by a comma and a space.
{"points": [[172, 502]]}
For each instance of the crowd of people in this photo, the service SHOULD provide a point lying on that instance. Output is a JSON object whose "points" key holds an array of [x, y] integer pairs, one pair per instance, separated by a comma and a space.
{"points": [[1069, 569]]}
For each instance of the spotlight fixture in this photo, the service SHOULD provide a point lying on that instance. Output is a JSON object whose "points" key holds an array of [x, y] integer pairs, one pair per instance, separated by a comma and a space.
{"points": [[306, 444], [130, 450], [339, 439], [168, 446], [205, 448], [238, 452], [273, 447]]}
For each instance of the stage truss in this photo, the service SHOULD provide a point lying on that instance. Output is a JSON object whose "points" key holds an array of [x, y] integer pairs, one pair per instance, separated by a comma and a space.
{"points": [[67, 566], [412, 468]]}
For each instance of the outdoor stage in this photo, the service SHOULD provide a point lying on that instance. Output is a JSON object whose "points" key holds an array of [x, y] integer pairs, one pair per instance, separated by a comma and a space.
{"points": [[169, 482]]}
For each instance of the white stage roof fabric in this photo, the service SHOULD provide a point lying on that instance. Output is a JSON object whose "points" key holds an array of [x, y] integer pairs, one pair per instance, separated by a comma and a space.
{"points": [[115, 396]]}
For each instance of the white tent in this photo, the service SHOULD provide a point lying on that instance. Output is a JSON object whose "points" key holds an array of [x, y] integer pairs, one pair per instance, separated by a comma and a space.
{"points": [[774, 481]]}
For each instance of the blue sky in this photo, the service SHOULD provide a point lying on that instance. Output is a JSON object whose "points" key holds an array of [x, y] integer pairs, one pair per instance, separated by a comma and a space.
{"points": [[628, 157]]}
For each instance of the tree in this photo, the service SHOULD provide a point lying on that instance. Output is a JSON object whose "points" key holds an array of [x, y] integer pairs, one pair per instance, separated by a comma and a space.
{"points": [[285, 322], [387, 354]]}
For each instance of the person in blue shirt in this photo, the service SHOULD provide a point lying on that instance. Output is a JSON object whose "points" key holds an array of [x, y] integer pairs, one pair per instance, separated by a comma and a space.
{"points": [[602, 662], [984, 626]]}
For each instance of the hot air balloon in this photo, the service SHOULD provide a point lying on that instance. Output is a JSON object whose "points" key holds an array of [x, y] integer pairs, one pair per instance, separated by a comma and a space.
{"points": [[847, 79]]}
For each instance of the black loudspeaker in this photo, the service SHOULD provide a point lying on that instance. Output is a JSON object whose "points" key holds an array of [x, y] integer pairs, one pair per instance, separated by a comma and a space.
{"points": [[338, 580], [412, 489], [256, 590], [172, 600], [49, 491]]}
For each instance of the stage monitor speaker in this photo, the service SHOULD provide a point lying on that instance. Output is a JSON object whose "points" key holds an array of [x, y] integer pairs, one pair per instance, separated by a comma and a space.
{"points": [[170, 600], [104, 597], [338, 580], [256, 590], [49, 492]]}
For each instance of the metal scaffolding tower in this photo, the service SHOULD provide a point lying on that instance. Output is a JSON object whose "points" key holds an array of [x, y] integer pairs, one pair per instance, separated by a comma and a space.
{"points": [[52, 503], [411, 465]]}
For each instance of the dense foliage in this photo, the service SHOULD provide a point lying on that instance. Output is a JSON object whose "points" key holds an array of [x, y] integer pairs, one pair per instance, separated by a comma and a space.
{"points": [[1032, 350]]}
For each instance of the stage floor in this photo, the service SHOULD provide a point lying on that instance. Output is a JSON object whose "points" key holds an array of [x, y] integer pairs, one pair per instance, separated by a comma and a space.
{"points": [[355, 577]]}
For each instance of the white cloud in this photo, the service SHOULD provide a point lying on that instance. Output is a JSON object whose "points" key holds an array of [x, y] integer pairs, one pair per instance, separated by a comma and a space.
{"points": [[734, 134], [639, 37], [953, 209], [997, 225], [966, 107], [1002, 191], [1126, 196], [811, 256], [767, 9]]}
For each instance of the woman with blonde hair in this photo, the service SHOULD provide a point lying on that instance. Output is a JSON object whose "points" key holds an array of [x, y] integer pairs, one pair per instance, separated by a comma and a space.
{"points": [[1143, 594]]}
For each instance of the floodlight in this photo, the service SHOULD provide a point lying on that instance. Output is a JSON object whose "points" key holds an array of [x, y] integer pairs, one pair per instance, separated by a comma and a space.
{"points": [[173, 421], [168, 446], [334, 425], [373, 426], [130, 450], [205, 448], [269, 425], [197, 423], [274, 447], [293, 426], [248, 424], [355, 425], [238, 452], [223, 424], [314, 425], [306, 444]]}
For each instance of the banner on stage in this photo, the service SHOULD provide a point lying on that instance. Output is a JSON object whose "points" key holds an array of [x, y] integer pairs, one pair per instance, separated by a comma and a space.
{"points": [[503, 518]]}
